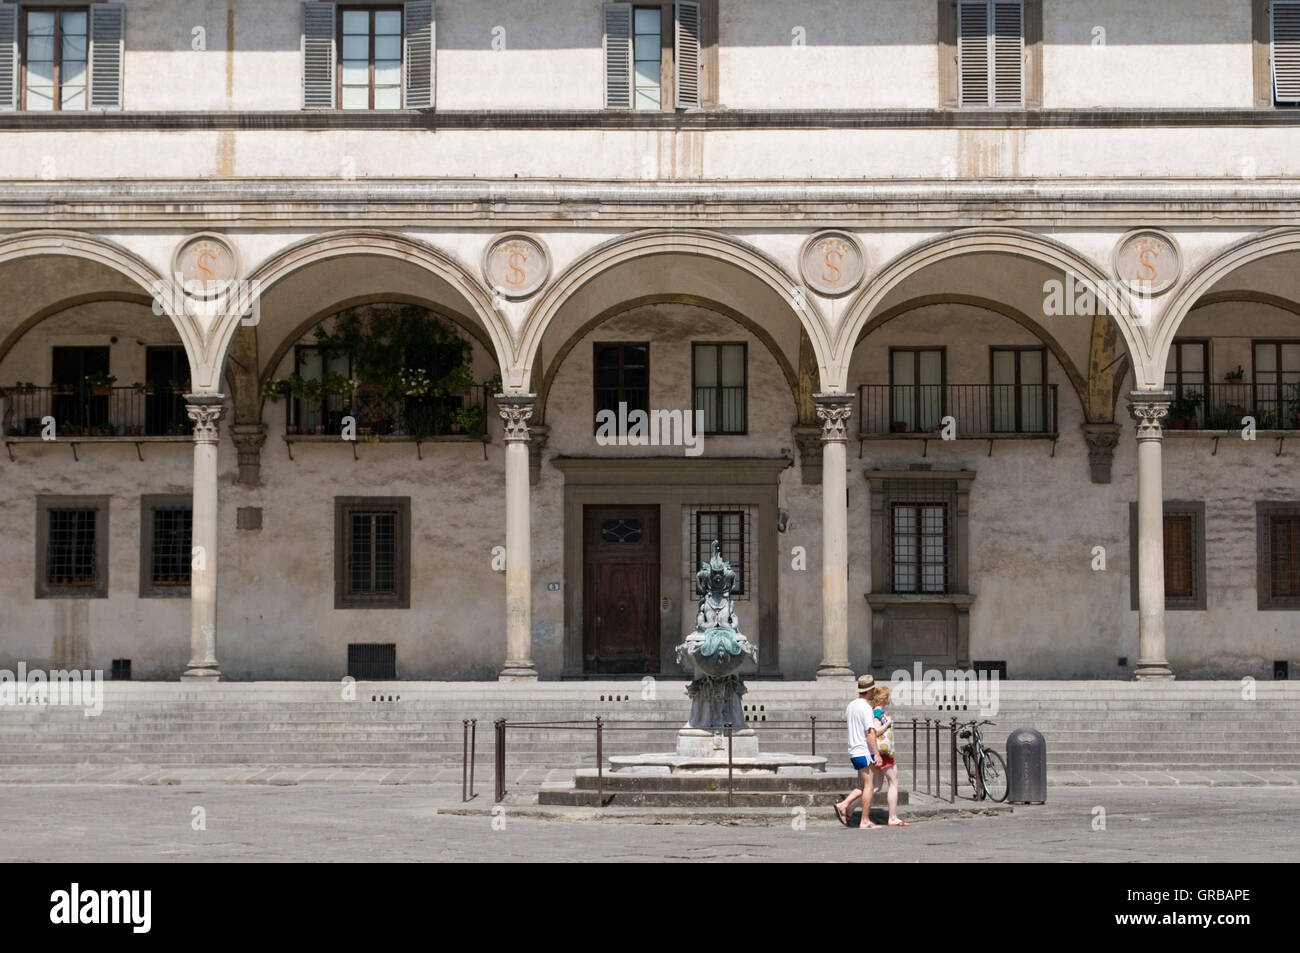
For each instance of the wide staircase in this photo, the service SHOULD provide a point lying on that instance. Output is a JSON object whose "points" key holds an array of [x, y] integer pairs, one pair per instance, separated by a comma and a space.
{"points": [[1089, 726]]}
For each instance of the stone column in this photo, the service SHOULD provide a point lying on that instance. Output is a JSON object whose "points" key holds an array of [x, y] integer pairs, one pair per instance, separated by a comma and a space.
{"points": [[204, 410], [834, 410], [516, 410], [1148, 409]]}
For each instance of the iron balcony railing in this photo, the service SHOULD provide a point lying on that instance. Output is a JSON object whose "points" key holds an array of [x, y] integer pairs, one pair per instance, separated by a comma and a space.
{"points": [[382, 416], [978, 409], [1222, 406], [85, 411]]}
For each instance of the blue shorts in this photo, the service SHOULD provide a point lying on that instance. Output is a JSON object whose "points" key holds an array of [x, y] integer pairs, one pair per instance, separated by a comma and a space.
{"points": [[861, 762]]}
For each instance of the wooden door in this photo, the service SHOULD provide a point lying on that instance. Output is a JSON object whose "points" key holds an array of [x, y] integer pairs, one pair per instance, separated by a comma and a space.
{"points": [[620, 589]]}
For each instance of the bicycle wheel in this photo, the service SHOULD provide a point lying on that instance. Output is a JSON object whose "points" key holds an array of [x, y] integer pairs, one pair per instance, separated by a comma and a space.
{"points": [[969, 760], [993, 773]]}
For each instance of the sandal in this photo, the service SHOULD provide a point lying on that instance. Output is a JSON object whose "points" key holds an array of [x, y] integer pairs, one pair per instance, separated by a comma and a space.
{"points": [[899, 824], [840, 816]]}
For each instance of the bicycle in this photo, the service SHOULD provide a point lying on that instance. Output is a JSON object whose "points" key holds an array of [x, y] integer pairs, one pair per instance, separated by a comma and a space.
{"points": [[984, 766]]}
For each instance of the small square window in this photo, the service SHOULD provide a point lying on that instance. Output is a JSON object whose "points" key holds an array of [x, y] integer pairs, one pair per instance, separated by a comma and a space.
{"points": [[166, 546], [72, 547], [372, 553], [1278, 547], [1184, 548]]}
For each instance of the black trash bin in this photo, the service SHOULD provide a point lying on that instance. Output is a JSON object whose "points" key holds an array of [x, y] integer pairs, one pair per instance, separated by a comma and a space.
{"points": [[1026, 767]]}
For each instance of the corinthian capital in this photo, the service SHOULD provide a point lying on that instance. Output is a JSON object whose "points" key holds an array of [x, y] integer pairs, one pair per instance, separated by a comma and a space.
{"points": [[516, 410], [1149, 408], [834, 411], [205, 411]]}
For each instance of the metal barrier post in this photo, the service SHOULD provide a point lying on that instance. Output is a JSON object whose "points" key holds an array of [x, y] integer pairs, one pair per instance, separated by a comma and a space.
{"points": [[915, 778], [500, 726], [813, 719], [938, 762], [729, 804], [464, 761], [600, 763], [928, 759], [952, 744], [473, 754]]}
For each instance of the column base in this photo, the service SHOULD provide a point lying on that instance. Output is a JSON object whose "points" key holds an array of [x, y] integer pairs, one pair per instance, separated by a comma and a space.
{"points": [[1153, 672], [200, 674], [827, 671], [518, 672]]}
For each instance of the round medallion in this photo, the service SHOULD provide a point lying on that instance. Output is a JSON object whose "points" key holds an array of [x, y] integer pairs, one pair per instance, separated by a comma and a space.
{"points": [[516, 265], [206, 264], [1148, 261], [832, 263]]}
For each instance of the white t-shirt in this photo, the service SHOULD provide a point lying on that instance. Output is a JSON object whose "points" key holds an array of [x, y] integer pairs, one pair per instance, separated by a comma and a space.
{"points": [[859, 716]]}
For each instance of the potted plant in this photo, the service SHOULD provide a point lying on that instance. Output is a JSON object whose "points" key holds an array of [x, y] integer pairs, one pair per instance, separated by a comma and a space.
{"points": [[100, 384], [472, 420], [1182, 412], [1235, 376]]}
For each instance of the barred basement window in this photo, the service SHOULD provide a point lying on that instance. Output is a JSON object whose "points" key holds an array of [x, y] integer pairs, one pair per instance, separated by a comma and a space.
{"points": [[730, 529], [72, 547], [1184, 548], [372, 547], [166, 541], [1278, 530], [919, 536]]}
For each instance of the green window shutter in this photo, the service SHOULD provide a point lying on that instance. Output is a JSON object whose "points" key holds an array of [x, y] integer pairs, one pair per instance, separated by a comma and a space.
{"points": [[8, 57], [318, 56], [687, 58], [618, 55], [420, 26], [107, 31]]}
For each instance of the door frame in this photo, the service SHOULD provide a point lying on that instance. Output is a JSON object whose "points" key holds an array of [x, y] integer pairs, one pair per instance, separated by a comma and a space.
{"points": [[674, 483]]}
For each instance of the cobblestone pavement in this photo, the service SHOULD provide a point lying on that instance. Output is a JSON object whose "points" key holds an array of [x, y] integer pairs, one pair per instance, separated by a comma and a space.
{"points": [[384, 823]]}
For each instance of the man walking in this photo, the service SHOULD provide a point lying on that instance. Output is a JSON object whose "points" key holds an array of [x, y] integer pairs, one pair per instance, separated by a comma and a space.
{"points": [[862, 752]]}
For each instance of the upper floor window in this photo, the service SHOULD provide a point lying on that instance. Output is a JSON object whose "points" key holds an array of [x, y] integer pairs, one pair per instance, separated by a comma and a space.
{"points": [[916, 379], [368, 56], [61, 58], [719, 371], [1019, 398], [622, 377], [660, 56], [1284, 36], [990, 53]]}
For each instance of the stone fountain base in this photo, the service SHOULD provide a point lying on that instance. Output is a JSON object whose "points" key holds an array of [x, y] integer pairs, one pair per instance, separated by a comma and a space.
{"points": [[702, 753]]}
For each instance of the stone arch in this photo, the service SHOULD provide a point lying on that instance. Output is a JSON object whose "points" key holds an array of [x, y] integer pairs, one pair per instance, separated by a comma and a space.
{"points": [[493, 330], [1002, 241], [1078, 380], [787, 369], [646, 244], [1190, 294], [61, 242]]}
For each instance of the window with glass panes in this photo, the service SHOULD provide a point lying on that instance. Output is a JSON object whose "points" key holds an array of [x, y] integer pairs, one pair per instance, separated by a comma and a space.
{"points": [[55, 58], [916, 392], [370, 58], [1276, 380], [372, 568], [729, 529], [327, 410], [647, 57], [919, 546], [1019, 383], [70, 553], [622, 376], [1187, 373], [719, 386], [170, 550]]}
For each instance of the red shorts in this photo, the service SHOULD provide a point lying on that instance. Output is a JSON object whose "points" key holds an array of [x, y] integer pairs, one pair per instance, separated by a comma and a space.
{"points": [[886, 761]]}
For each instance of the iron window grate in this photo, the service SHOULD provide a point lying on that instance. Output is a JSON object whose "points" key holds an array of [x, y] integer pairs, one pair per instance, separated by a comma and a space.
{"points": [[728, 527], [919, 545], [70, 553], [1284, 557], [172, 546], [372, 571], [372, 661]]}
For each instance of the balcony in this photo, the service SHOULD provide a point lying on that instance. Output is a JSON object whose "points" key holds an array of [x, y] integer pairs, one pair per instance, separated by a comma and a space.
{"points": [[1221, 407], [93, 414], [380, 417], [981, 411]]}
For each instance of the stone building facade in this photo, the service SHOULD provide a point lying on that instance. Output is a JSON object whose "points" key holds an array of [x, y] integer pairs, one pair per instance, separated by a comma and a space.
{"points": [[934, 274]]}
